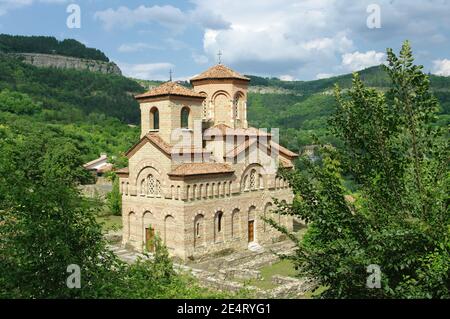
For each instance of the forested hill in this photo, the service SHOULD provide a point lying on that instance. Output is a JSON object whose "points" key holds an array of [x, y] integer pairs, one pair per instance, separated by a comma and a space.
{"points": [[89, 109], [301, 109], [373, 77], [49, 45]]}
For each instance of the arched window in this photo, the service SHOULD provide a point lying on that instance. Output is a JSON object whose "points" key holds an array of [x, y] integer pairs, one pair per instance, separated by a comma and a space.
{"points": [[185, 117], [151, 186], [235, 222], [218, 233], [219, 222], [199, 231], [154, 119]]}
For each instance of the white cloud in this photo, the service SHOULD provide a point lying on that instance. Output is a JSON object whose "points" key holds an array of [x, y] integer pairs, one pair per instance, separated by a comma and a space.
{"points": [[324, 76], [137, 47], [166, 16], [286, 77], [147, 71], [441, 67], [357, 61], [300, 38], [276, 37], [8, 5]]}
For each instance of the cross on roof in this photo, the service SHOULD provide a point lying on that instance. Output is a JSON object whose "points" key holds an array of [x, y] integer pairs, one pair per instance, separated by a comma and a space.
{"points": [[170, 75], [220, 56]]}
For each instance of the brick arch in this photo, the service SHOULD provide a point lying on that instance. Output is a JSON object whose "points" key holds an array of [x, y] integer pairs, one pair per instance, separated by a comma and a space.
{"points": [[132, 219], [267, 211], [148, 220], [199, 229], [220, 92], [140, 166], [246, 170], [236, 216], [170, 234]]}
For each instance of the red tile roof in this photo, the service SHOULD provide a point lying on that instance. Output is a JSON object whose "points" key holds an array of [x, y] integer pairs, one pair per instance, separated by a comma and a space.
{"points": [[166, 148], [219, 71], [123, 171], [190, 169], [169, 89]]}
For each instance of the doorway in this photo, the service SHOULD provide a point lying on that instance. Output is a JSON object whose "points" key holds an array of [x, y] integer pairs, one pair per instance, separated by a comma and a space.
{"points": [[251, 231]]}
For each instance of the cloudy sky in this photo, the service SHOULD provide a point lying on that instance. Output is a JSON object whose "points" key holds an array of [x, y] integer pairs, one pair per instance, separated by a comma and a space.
{"points": [[290, 39]]}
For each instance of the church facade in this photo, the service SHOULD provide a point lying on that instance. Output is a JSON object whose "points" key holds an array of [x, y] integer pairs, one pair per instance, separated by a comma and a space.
{"points": [[200, 178]]}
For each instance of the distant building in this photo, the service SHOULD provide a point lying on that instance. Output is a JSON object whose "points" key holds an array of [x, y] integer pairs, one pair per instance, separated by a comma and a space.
{"points": [[210, 194], [99, 166]]}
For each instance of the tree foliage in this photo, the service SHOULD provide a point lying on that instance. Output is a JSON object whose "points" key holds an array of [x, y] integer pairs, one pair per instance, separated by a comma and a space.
{"points": [[114, 197], [400, 219], [49, 45], [46, 225]]}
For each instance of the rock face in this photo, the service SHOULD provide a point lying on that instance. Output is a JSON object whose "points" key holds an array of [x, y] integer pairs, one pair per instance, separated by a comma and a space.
{"points": [[66, 62]]}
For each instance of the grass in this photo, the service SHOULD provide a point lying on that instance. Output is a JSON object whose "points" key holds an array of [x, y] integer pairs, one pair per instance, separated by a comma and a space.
{"points": [[315, 293], [282, 267], [110, 222]]}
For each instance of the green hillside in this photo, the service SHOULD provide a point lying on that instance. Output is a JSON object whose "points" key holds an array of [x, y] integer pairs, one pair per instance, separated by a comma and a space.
{"points": [[49, 45], [91, 110], [98, 113], [305, 111]]}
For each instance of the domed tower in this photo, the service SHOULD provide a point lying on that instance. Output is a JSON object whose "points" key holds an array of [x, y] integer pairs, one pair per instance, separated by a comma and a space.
{"points": [[225, 94], [168, 107]]}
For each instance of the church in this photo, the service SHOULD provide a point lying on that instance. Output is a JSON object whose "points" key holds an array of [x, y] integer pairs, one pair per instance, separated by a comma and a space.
{"points": [[200, 178]]}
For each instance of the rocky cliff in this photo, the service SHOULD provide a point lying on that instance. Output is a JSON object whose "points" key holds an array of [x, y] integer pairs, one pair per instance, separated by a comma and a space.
{"points": [[66, 62]]}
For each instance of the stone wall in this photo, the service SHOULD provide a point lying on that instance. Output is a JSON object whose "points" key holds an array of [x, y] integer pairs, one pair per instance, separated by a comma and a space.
{"points": [[66, 62]]}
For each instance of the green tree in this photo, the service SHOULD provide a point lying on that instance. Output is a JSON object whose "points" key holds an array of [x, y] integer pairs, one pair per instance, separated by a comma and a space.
{"points": [[115, 197], [400, 219], [45, 225]]}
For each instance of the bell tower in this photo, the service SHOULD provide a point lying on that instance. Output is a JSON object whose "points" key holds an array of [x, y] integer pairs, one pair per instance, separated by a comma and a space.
{"points": [[225, 94], [168, 107]]}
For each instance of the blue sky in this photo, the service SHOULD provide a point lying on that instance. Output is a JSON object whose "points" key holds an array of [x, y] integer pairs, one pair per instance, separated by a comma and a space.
{"points": [[290, 39]]}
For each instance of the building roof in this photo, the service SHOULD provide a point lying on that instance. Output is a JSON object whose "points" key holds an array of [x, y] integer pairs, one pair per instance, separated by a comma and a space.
{"points": [[166, 148], [219, 71], [227, 130], [286, 163], [170, 89], [191, 169], [123, 171], [102, 157], [283, 150]]}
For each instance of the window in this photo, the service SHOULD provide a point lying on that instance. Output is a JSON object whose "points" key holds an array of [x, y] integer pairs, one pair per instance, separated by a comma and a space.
{"points": [[197, 229], [150, 186], [219, 222], [185, 117], [154, 119]]}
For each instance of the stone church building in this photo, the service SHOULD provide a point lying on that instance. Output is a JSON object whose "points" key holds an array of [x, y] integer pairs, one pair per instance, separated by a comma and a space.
{"points": [[200, 178]]}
